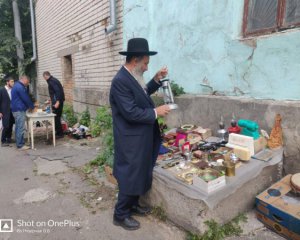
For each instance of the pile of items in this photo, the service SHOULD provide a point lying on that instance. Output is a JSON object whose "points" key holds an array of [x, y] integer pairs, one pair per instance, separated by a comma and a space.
{"points": [[77, 131], [196, 157]]}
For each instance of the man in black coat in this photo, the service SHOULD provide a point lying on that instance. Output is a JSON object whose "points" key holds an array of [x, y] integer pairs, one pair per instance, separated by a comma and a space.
{"points": [[5, 111], [57, 97], [136, 131]]}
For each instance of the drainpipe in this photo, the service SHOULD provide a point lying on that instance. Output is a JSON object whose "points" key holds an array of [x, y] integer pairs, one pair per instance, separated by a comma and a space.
{"points": [[113, 18], [33, 31]]}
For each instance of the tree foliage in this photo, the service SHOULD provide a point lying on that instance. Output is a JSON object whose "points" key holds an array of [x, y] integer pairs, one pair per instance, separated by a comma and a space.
{"points": [[8, 42]]}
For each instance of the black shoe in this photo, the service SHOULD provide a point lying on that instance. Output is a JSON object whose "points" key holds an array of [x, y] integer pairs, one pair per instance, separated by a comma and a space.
{"points": [[59, 136], [128, 223], [140, 211]]}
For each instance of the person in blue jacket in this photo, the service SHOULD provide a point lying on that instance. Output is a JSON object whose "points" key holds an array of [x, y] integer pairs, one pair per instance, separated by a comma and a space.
{"points": [[20, 103], [136, 131]]}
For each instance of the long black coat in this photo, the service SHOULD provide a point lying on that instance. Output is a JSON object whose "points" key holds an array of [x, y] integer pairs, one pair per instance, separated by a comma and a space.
{"points": [[136, 133], [5, 108]]}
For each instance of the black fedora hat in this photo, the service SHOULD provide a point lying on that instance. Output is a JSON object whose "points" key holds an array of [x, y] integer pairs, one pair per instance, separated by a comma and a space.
{"points": [[137, 47]]}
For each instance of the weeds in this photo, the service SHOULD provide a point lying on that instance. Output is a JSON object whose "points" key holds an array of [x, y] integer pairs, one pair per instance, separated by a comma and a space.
{"points": [[85, 118], [102, 125], [218, 232], [69, 115], [159, 213]]}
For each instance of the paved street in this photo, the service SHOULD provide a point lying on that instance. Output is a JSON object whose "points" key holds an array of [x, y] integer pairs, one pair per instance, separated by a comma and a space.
{"points": [[48, 196]]}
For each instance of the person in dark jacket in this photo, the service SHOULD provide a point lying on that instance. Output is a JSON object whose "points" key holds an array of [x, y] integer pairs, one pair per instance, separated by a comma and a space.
{"points": [[20, 103], [57, 97], [5, 111], [136, 131]]}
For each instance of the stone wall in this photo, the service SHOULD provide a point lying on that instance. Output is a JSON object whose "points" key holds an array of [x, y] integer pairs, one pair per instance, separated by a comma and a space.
{"points": [[206, 111], [73, 47]]}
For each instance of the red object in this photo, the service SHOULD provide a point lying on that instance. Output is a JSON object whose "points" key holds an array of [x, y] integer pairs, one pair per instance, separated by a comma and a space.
{"points": [[179, 136], [64, 126], [235, 129], [186, 146]]}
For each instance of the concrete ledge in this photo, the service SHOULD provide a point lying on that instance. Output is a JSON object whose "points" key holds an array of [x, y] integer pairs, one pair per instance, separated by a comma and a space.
{"points": [[190, 211]]}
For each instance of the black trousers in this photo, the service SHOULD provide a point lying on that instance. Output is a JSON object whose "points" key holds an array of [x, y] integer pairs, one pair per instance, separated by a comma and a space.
{"points": [[58, 111], [7, 131], [124, 205]]}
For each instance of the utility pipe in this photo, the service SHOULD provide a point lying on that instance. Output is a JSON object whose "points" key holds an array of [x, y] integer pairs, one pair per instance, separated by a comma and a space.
{"points": [[33, 31], [113, 18], [18, 35]]}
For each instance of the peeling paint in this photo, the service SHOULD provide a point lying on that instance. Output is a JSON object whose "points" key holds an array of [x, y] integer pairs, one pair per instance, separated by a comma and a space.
{"points": [[199, 39]]}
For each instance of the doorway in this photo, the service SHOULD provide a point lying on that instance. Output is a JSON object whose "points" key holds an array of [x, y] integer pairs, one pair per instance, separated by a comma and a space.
{"points": [[68, 78]]}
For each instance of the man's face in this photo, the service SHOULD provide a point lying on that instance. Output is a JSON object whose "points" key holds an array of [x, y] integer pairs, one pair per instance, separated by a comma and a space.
{"points": [[46, 77], [26, 81], [142, 65], [10, 83]]}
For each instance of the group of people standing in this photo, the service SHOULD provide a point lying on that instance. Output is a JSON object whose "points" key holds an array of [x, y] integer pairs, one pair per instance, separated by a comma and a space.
{"points": [[15, 101], [137, 137]]}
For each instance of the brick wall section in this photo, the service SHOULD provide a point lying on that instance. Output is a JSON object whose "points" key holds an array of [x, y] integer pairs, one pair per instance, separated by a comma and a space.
{"points": [[77, 28]]}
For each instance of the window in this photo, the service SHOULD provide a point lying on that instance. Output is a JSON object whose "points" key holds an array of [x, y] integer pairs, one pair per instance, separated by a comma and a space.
{"points": [[266, 16]]}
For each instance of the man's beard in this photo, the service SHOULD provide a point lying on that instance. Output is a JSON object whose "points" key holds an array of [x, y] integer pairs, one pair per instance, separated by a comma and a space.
{"points": [[138, 75]]}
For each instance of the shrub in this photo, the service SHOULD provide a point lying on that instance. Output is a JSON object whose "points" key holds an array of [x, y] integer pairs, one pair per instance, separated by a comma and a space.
{"points": [[176, 89], [102, 125], [85, 118], [69, 115], [102, 121]]}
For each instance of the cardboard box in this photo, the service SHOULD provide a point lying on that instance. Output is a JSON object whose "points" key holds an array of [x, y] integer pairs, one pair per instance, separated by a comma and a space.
{"points": [[259, 144], [241, 141], [279, 205], [276, 227], [109, 175], [225, 151], [210, 186]]}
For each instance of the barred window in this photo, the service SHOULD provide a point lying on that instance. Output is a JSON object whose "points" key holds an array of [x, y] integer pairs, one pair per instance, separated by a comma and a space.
{"points": [[267, 16]]}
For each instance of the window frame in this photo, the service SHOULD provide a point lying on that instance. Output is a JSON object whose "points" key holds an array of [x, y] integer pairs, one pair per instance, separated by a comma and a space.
{"points": [[281, 25]]}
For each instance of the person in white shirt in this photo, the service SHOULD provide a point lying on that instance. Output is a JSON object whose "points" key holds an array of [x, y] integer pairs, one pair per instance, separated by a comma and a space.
{"points": [[5, 111]]}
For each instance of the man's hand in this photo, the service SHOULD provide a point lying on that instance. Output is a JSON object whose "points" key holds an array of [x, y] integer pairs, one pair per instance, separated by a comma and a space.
{"points": [[162, 73], [56, 105], [1, 115], [162, 110]]}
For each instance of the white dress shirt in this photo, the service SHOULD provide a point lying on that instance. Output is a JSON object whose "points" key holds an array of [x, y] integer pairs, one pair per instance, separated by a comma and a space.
{"points": [[8, 91]]}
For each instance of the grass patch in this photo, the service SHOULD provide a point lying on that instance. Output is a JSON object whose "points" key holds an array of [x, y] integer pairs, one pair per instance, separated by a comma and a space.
{"points": [[87, 169], [217, 231], [159, 212]]}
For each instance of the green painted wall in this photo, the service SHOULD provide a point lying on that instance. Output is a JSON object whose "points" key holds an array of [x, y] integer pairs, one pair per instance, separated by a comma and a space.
{"points": [[200, 41]]}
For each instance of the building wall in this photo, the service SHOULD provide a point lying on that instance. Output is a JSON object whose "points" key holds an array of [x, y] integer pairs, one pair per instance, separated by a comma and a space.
{"points": [[76, 28], [201, 43]]}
